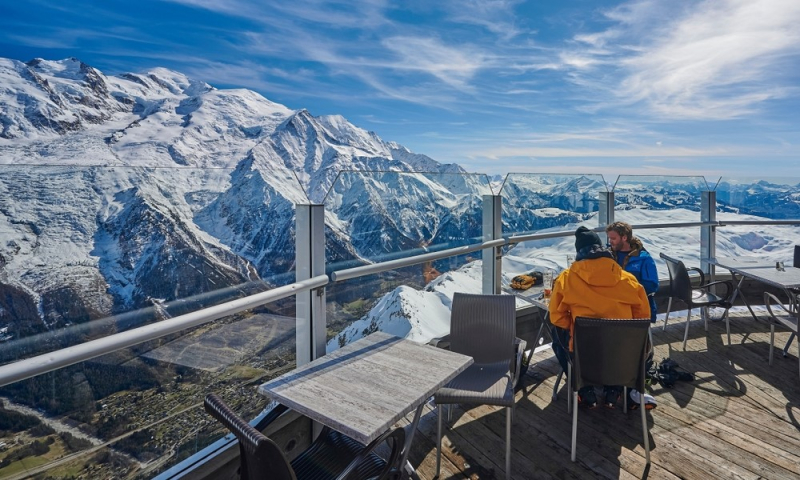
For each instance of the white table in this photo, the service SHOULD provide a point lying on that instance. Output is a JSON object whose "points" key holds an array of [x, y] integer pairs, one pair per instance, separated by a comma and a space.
{"points": [[364, 388], [786, 279]]}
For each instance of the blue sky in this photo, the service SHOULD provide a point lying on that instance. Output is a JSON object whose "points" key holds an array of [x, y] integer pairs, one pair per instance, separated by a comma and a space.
{"points": [[646, 87]]}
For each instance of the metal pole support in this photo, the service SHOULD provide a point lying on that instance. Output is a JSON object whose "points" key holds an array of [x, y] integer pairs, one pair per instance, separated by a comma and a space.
{"points": [[605, 213], [310, 262], [492, 230]]}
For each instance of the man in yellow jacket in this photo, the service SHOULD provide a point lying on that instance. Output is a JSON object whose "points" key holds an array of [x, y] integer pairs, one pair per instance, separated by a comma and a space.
{"points": [[595, 286]]}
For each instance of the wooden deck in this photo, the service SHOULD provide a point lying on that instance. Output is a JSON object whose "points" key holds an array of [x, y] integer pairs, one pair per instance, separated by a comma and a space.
{"points": [[738, 419]]}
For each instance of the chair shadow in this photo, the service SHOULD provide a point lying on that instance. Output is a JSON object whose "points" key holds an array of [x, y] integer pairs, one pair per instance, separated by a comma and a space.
{"points": [[602, 433], [541, 429], [719, 368]]}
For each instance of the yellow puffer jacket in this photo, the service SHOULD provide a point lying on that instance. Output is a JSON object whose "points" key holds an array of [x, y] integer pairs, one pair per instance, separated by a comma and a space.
{"points": [[597, 288]]}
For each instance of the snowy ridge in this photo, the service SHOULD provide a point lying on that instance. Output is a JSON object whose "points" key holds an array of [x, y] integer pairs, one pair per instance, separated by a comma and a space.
{"points": [[101, 229]]}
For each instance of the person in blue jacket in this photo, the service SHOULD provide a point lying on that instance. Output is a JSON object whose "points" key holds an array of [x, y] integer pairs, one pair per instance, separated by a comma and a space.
{"points": [[633, 258]]}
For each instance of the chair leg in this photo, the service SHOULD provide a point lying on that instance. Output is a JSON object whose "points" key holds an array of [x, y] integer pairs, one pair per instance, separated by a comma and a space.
{"points": [[644, 428], [438, 439], [727, 325], [569, 390], [624, 399], [704, 314], [788, 344], [798, 355], [686, 333], [508, 443], [771, 341], [555, 387], [574, 423], [666, 317]]}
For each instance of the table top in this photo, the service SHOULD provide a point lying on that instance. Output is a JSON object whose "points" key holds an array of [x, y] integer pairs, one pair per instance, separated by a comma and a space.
{"points": [[767, 273], [365, 387], [534, 296]]}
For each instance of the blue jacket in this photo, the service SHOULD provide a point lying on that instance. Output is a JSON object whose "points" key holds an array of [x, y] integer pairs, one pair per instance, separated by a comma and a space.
{"points": [[643, 267]]}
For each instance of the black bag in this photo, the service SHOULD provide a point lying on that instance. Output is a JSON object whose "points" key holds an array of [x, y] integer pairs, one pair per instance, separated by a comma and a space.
{"points": [[668, 372]]}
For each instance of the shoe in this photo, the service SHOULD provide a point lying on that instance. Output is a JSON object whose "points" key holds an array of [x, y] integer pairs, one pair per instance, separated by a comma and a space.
{"points": [[633, 400], [587, 399], [612, 395]]}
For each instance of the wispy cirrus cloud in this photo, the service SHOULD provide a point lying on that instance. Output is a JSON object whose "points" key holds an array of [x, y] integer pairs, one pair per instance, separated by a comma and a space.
{"points": [[715, 59]]}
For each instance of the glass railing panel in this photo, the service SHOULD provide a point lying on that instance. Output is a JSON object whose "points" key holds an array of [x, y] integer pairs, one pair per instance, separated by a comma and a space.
{"points": [[136, 412], [662, 199], [758, 199], [537, 202], [90, 251], [410, 302], [373, 217], [669, 199], [545, 203]]}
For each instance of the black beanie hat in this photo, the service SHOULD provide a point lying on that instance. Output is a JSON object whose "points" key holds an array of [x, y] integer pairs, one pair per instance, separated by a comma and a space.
{"points": [[585, 237]]}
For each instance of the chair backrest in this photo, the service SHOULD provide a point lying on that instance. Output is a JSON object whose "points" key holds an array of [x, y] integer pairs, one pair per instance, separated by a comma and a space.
{"points": [[680, 285], [260, 457], [610, 351], [796, 263], [483, 326]]}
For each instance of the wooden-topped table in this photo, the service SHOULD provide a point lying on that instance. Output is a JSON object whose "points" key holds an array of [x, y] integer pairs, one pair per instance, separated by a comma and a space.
{"points": [[364, 388]]}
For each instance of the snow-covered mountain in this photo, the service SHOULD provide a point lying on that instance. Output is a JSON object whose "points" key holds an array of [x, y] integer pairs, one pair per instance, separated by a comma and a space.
{"points": [[128, 191], [167, 186]]}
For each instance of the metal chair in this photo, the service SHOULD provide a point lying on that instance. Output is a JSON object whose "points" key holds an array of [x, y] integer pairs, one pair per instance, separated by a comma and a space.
{"points": [[331, 456], [483, 327], [609, 352], [788, 317], [680, 287]]}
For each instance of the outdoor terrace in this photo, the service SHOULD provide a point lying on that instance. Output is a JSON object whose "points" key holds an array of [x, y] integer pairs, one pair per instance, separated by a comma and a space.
{"points": [[135, 380], [736, 420]]}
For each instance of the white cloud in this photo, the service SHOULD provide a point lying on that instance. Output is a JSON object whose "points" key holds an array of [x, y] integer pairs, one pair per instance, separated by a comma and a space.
{"points": [[714, 59]]}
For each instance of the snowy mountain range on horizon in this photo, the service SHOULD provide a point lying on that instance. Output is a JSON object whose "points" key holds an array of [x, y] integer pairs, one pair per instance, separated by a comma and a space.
{"points": [[142, 188]]}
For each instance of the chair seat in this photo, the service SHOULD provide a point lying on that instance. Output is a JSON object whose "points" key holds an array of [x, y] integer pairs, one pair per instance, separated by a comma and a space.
{"points": [[472, 386], [330, 454], [701, 298]]}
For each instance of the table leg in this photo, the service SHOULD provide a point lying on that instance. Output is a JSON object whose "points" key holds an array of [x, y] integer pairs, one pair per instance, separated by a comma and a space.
{"points": [[788, 344], [744, 297], [404, 464]]}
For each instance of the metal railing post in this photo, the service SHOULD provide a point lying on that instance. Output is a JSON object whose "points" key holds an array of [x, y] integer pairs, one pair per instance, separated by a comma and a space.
{"points": [[492, 229], [605, 214], [310, 262], [708, 234]]}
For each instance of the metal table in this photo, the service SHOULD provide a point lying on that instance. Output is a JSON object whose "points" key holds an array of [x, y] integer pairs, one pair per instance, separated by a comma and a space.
{"points": [[786, 279], [364, 388]]}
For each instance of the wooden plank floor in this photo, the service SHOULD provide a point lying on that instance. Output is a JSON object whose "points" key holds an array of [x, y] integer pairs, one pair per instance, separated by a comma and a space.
{"points": [[738, 419]]}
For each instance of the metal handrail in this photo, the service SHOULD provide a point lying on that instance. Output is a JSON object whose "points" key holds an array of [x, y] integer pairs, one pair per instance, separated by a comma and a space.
{"points": [[373, 268], [379, 267], [724, 223], [513, 239], [65, 357], [675, 225]]}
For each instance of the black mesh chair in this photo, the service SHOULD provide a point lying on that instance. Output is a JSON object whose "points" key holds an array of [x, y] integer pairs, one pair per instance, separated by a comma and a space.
{"points": [[483, 327], [783, 315], [331, 456], [609, 352], [700, 296]]}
